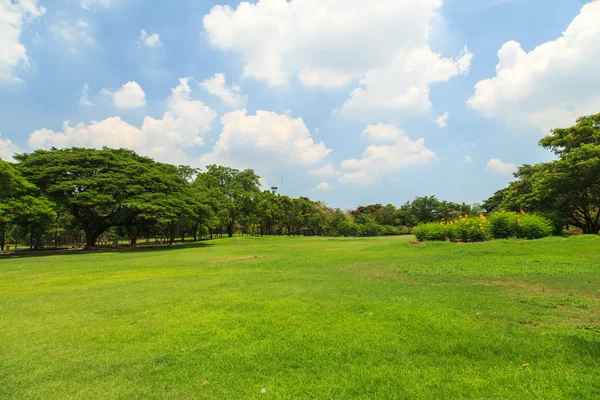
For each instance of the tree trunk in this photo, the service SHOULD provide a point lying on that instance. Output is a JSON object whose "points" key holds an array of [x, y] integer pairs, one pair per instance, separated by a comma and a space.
{"points": [[172, 234], [196, 232], [230, 228], [2, 239], [91, 238]]}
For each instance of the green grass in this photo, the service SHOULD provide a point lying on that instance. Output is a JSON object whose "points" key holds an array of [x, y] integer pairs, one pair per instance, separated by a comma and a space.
{"points": [[315, 318]]}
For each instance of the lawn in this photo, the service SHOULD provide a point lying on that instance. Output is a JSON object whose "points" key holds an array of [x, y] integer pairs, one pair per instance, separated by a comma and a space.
{"points": [[278, 318]]}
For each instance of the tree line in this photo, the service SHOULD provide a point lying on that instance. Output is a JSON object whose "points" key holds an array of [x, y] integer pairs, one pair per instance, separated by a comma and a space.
{"points": [[61, 196]]}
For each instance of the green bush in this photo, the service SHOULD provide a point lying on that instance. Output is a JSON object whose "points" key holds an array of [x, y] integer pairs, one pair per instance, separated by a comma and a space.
{"points": [[532, 227], [502, 224], [391, 230], [372, 228], [348, 228], [520, 225], [475, 229], [432, 231]]}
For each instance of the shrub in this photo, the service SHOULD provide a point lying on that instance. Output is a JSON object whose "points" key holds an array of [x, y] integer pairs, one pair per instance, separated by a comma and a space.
{"points": [[499, 225], [502, 224], [372, 228], [431, 231], [520, 225], [392, 230], [532, 227], [465, 229], [348, 228]]}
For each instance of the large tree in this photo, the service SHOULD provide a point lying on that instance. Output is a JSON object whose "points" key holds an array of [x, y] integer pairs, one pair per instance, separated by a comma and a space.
{"points": [[99, 187]]}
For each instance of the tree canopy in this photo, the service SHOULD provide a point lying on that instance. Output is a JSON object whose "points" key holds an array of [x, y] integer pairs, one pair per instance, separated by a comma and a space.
{"points": [[567, 189]]}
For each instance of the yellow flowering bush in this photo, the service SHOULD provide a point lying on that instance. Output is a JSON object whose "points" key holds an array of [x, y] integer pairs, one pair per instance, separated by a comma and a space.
{"points": [[469, 229], [498, 225]]}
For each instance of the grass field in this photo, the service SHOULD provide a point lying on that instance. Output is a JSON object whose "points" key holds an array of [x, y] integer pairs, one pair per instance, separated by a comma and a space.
{"points": [[277, 318]]}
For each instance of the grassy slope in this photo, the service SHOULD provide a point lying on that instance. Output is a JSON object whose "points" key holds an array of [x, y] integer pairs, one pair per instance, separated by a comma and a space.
{"points": [[315, 318]]}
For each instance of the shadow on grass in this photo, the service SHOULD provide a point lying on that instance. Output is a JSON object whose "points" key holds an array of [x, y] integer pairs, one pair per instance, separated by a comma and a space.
{"points": [[588, 345], [107, 249]]}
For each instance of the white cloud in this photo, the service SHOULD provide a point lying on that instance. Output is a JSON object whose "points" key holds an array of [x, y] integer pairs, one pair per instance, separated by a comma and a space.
{"points": [[497, 166], [84, 99], [264, 141], [468, 159], [401, 87], [229, 95], [7, 149], [325, 43], [549, 86], [72, 36], [149, 40], [13, 15], [442, 120], [323, 187], [380, 161], [335, 43], [180, 127], [326, 171], [130, 95], [383, 133], [90, 4]]}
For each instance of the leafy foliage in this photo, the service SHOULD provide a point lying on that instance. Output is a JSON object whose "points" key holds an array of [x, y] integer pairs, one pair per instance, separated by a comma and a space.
{"points": [[566, 190]]}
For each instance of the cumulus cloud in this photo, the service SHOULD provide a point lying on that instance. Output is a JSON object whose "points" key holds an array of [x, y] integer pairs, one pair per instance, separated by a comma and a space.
{"points": [[13, 16], [264, 141], [7, 149], [442, 120], [497, 166], [325, 43], [180, 127], [130, 95], [401, 87], [84, 99], [149, 40], [229, 95], [383, 133], [549, 86], [326, 171], [379, 161], [322, 187], [335, 43]]}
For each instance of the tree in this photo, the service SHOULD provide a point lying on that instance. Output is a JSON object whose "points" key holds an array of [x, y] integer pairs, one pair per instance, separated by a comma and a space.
{"points": [[567, 190], [21, 204], [238, 188], [98, 187]]}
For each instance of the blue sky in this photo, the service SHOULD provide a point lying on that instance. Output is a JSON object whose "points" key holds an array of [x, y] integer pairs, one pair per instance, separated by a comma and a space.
{"points": [[332, 100]]}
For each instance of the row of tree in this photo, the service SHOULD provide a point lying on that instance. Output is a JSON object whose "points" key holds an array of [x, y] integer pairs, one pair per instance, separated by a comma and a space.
{"points": [[62, 196]]}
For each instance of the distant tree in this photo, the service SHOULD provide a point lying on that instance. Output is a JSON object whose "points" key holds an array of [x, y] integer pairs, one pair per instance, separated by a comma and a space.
{"points": [[21, 204], [239, 190]]}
